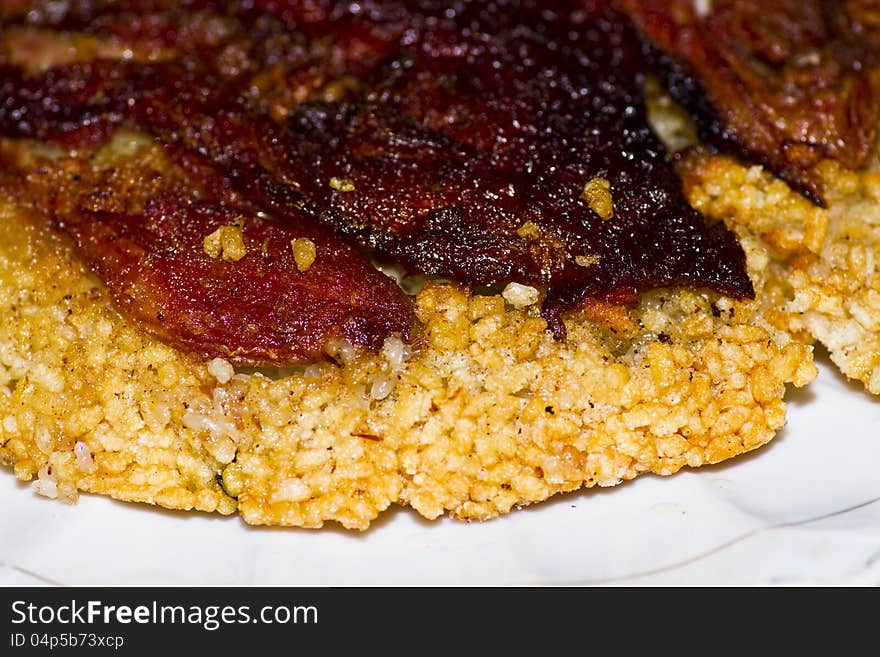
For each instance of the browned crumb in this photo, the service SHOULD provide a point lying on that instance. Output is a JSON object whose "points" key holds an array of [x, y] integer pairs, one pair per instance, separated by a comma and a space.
{"points": [[304, 253], [226, 243], [597, 194]]}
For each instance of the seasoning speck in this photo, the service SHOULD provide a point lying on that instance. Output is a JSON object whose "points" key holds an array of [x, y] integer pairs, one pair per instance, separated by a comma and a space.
{"points": [[226, 243], [342, 184], [597, 194], [520, 296], [529, 231], [304, 252], [221, 370], [586, 261]]}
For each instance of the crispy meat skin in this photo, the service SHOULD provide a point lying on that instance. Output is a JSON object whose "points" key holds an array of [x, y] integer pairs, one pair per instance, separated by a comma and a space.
{"points": [[785, 83], [258, 310], [464, 141], [141, 230]]}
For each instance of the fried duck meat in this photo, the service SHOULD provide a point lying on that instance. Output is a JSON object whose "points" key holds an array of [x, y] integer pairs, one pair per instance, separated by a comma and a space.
{"points": [[476, 142], [785, 83], [218, 281]]}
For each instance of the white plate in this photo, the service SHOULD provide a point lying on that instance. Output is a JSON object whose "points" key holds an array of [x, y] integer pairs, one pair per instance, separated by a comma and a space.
{"points": [[804, 510]]}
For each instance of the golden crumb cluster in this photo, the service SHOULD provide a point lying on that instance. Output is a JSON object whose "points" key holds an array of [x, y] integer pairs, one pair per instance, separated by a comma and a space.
{"points": [[486, 413], [226, 243]]}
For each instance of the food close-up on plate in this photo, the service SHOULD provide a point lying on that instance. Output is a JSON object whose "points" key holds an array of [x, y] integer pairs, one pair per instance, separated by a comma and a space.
{"points": [[422, 292]]}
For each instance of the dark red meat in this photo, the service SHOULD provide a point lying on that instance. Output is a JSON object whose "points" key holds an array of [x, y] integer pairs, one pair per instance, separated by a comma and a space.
{"points": [[455, 138], [785, 83], [259, 310]]}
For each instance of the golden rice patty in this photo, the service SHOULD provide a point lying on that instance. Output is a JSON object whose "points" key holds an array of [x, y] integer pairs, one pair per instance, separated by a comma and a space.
{"points": [[488, 412], [828, 260]]}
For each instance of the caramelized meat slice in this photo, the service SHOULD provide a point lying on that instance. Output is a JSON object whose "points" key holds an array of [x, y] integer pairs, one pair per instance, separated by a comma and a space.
{"points": [[271, 59], [481, 143], [785, 83], [222, 282], [467, 156]]}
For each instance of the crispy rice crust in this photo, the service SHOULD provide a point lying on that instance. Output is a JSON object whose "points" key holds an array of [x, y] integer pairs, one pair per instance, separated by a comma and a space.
{"points": [[484, 413], [827, 261]]}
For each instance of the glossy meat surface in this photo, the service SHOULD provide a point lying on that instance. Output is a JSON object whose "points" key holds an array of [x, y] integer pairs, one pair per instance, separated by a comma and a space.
{"points": [[463, 140], [785, 83], [256, 309]]}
